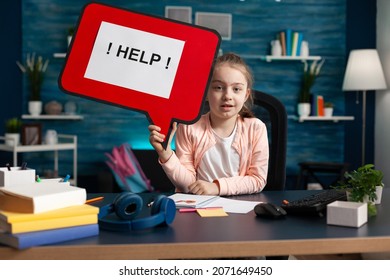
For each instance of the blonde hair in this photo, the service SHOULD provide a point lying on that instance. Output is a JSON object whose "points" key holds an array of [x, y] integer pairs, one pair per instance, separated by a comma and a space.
{"points": [[238, 63]]}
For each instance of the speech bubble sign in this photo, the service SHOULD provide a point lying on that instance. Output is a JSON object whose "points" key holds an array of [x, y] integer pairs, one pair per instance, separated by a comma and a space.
{"points": [[146, 63]]}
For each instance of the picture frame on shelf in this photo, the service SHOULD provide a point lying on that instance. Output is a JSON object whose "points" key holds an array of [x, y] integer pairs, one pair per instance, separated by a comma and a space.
{"points": [[179, 13], [221, 22], [31, 134]]}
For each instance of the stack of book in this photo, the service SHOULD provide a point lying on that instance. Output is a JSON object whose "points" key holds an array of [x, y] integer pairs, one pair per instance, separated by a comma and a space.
{"points": [[45, 212], [317, 105], [290, 42]]}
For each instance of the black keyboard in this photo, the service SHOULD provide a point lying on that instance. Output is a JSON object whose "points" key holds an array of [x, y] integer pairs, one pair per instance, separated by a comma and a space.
{"points": [[314, 203]]}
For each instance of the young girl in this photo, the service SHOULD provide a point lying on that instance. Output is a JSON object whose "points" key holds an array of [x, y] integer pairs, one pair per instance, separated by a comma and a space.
{"points": [[226, 151]]}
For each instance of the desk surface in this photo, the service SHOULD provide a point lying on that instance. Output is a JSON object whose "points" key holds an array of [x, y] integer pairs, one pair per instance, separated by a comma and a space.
{"points": [[238, 235]]}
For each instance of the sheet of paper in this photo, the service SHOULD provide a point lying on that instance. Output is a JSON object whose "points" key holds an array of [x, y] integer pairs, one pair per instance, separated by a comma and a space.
{"points": [[204, 201], [234, 205], [183, 200]]}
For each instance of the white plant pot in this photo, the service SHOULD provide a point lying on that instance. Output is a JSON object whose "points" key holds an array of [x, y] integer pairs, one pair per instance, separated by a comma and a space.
{"points": [[328, 112], [35, 108], [304, 109], [12, 139], [379, 190]]}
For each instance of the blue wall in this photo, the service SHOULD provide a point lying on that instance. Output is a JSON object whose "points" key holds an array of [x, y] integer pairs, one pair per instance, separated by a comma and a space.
{"points": [[10, 49], [255, 23], [10, 77]]}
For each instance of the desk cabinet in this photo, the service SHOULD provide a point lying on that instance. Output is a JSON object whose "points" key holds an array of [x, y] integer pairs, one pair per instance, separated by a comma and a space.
{"points": [[65, 142]]}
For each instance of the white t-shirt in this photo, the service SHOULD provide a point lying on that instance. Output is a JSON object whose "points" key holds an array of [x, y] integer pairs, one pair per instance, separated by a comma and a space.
{"points": [[219, 161]]}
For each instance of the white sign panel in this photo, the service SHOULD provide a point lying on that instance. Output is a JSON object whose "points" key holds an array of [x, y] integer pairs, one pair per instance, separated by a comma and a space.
{"points": [[134, 59]]}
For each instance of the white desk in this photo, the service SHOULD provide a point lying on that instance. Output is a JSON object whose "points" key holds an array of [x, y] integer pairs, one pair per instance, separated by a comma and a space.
{"points": [[65, 142]]}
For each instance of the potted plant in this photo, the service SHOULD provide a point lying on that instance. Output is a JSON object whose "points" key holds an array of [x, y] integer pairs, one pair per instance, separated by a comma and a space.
{"points": [[328, 109], [309, 76], [364, 185], [35, 68], [12, 131]]}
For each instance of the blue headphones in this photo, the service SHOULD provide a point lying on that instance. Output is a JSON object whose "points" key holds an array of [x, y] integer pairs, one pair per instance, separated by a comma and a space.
{"points": [[128, 205]]}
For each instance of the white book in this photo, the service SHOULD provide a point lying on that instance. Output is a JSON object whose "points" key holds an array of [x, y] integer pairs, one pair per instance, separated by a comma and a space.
{"points": [[40, 197]]}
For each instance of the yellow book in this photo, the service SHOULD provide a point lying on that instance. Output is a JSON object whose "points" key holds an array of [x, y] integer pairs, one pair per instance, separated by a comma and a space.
{"points": [[30, 226], [295, 39], [65, 217], [77, 210]]}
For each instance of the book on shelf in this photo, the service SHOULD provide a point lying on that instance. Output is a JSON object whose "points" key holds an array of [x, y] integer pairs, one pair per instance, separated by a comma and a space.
{"points": [[288, 42], [294, 44], [282, 39], [39, 197], [291, 42], [320, 106], [313, 102], [317, 105], [13, 222], [299, 43], [46, 237]]}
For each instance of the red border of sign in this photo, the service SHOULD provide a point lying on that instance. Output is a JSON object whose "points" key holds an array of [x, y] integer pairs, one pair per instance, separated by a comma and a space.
{"points": [[193, 73]]}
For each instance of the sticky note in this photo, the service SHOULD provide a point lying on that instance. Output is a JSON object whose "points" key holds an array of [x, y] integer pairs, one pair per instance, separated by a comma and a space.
{"points": [[212, 212]]}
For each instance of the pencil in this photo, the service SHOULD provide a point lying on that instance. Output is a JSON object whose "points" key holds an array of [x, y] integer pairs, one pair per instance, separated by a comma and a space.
{"points": [[94, 199]]}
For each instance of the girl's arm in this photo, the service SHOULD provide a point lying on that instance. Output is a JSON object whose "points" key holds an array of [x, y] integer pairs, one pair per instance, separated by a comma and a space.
{"points": [[181, 172]]}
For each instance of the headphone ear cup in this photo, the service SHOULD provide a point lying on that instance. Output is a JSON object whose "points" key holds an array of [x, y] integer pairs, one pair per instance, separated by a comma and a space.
{"points": [[163, 204], [128, 205], [119, 197], [163, 212]]}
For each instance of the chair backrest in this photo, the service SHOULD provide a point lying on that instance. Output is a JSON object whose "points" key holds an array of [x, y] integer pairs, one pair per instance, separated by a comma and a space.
{"points": [[272, 112]]}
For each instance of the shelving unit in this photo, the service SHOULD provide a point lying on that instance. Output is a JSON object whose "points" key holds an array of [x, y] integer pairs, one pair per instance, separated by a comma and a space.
{"points": [[65, 142], [318, 118], [53, 117], [59, 55], [270, 58]]}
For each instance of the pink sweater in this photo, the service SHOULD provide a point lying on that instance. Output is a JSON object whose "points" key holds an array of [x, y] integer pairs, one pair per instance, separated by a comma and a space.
{"points": [[192, 141]]}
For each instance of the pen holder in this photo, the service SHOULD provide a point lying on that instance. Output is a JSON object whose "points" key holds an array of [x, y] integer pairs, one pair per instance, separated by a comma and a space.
{"points": [[16, 176]]}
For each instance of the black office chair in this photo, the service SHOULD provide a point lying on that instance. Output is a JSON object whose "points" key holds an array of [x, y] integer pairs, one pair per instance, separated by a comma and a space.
{"points": [[273, 113], [311, 171]]}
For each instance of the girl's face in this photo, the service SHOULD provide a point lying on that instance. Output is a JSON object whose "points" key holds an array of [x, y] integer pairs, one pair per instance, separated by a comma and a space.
{"points": [[228, 92]]}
